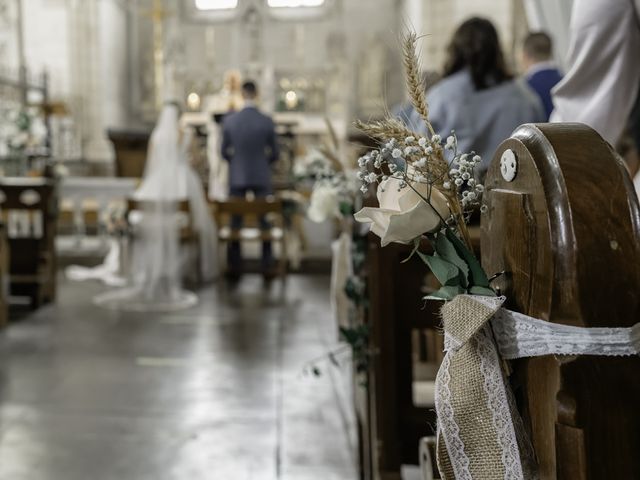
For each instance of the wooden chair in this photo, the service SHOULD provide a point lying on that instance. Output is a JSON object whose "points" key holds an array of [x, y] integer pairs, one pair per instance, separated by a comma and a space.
{"points": [[188, 234], [29, 210], [566, 233], [251, 211]]}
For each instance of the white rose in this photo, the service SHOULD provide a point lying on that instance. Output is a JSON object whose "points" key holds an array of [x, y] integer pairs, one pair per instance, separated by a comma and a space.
{"points": [[324, 203], [38, 131], [19, 141], [403, 215], [61, 170]]}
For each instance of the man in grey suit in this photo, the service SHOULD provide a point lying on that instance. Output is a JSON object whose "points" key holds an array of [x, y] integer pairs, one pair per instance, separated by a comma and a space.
{"points": [[250, 146]]}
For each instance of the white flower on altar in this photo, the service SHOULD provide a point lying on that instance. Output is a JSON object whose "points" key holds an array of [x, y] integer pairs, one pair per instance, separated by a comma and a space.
{"points": [[61, 170], [8, 130], [403, 214], [324, 203], [38, 131], [304, 166], [19, 140]]}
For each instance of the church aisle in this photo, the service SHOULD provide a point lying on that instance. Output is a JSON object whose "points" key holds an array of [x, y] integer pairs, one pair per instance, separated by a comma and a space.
{"points": [[215, 392]]}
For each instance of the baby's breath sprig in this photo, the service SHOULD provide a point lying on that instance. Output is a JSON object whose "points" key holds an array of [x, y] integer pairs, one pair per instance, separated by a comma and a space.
{"points": [[418, 159]]}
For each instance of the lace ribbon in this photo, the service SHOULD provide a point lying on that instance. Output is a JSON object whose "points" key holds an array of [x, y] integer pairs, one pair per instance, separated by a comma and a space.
{"points": [[480, 433], [519, 335]]}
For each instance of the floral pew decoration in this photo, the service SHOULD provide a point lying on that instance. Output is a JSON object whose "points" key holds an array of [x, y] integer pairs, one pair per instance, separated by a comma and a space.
{"points": [[427, 190], [23, 134], [335, 197]]}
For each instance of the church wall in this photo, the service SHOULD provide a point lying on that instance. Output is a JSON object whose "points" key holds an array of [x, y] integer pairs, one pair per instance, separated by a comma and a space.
{"points": [[9, 56], [82, 45], [334, 47], [99, 53], [47, 44]]}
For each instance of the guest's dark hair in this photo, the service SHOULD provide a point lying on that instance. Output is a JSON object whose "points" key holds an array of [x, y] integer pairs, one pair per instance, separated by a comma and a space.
{"points": [[538, 46], [475, 45], [249, 89]]}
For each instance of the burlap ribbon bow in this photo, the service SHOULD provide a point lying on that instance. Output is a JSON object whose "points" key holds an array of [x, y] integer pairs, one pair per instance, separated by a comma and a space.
{"points": [[479, 429], [480, 433]]}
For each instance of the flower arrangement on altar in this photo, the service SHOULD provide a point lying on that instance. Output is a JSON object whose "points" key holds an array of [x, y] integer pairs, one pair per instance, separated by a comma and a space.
{"points": [[22, 133], [335, 197], [22, 130], [426, 189], [334, 185]]}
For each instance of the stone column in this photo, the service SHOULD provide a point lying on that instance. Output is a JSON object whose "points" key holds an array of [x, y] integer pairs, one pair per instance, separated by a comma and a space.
{"points": [[99, 72], [113, 66]]}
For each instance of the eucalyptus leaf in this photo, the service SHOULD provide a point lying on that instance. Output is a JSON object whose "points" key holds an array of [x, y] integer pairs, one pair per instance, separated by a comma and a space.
{"points": [[487, 292], [444, 271], [349, 335], [346, 209], [447, 250], [477, 275]]}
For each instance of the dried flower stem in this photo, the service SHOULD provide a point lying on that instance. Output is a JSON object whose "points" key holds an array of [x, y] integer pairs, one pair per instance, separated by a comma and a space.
{"points": [[332, 157], [335, 145], [456, 211]]}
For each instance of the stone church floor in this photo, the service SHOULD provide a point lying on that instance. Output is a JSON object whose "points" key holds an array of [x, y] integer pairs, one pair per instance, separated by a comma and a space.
{"points": [[215, 392]]}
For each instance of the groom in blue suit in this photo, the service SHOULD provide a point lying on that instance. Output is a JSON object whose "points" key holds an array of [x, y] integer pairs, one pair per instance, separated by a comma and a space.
{"points": [[250, 146], [540, 71]]}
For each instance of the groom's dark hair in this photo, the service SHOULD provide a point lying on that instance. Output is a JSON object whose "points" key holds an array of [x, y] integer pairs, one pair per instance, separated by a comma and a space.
{"points": [[249, 89]]}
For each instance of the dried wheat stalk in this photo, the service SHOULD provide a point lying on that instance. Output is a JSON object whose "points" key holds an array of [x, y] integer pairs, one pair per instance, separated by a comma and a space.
{"points": [[384, 129], [413, 79]]}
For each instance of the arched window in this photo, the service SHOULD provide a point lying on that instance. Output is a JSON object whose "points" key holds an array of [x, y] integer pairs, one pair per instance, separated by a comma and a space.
{"points": [[294, 3], [298, 9], [216, 4]]}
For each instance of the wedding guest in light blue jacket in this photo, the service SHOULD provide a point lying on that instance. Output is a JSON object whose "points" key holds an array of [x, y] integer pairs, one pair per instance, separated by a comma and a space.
{"points": [[478, 98]]}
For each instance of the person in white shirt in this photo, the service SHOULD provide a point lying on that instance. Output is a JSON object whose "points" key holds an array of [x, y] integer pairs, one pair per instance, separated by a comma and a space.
{"points": [[601, 84]]}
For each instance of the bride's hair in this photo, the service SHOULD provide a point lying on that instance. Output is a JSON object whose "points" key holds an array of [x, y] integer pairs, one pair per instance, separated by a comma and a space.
{"points": [[174, 103]]}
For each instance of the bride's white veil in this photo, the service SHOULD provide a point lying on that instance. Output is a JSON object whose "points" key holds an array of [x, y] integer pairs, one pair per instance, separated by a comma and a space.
{"points": [[155, 268]]}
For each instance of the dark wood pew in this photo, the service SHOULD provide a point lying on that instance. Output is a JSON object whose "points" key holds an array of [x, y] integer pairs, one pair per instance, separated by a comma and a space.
{"points": [[396, 409], [29, 210], [4, 276], [390, 422], [392, 411], [565, 230]]}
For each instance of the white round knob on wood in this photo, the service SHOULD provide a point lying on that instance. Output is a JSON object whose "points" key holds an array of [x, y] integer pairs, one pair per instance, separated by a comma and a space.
{"points": [[508, 165]]}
